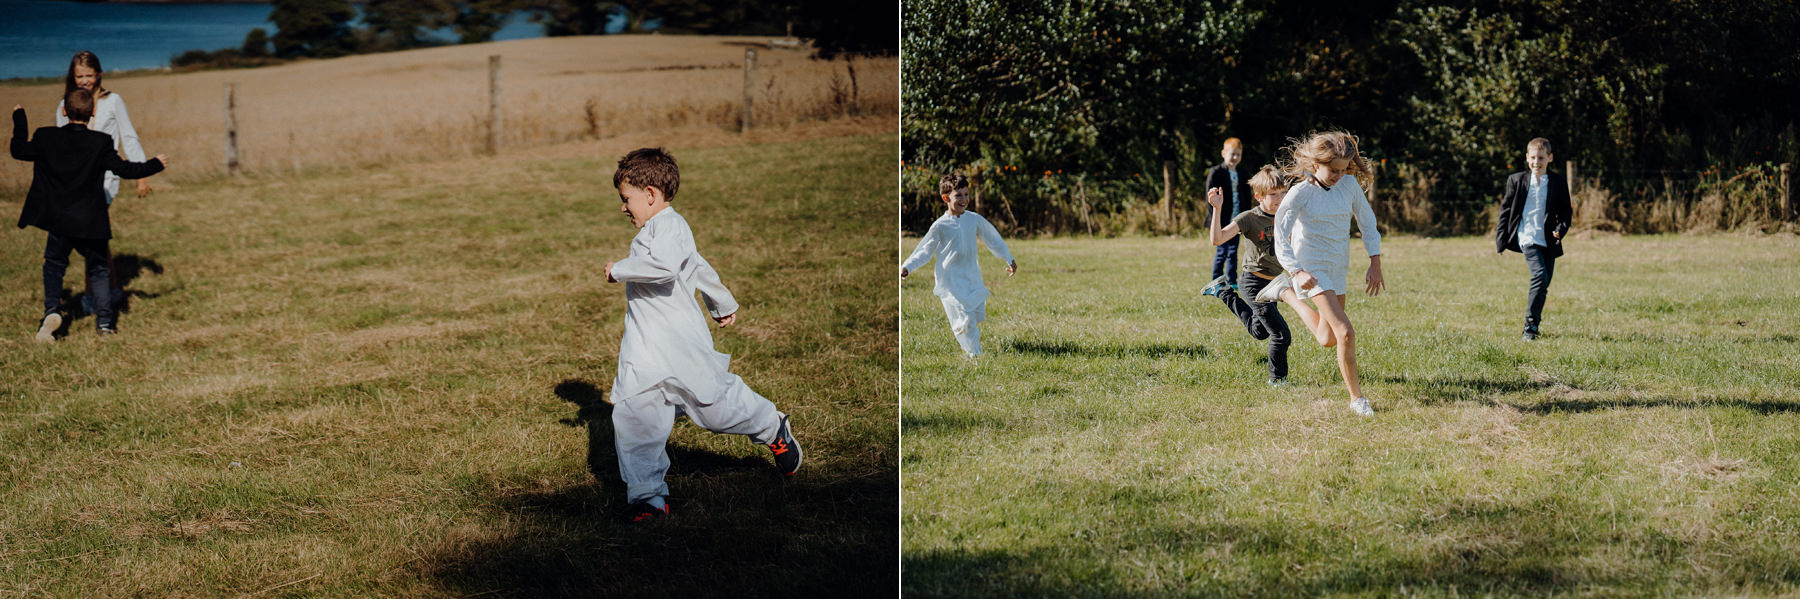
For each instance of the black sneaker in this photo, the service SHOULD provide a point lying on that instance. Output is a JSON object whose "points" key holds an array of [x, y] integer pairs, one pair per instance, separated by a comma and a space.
{"points": [[47, 328], [644, 513], [1530, 335], [107, 330], [786, 450]]}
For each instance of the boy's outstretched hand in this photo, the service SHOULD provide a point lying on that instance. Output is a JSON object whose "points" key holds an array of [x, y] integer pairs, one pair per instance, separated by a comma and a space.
{"points": [[609, 278], [726, 320], [1012, 267], [903, 272]]}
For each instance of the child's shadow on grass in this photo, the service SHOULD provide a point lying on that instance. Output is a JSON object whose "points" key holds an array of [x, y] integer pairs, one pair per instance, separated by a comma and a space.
{"points": [[127, 268], [736, 528], [1056, 349], [602, 456], [1559, 396]]}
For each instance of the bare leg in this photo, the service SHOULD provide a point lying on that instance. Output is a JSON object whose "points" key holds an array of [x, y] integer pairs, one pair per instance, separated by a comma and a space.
{"points": [[1321, 330], [1331, 312]]}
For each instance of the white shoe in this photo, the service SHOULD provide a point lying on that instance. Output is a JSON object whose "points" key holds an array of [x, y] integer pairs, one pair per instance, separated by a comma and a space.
{"points": [[1360, 405], [1272, 291], [47, 330]]}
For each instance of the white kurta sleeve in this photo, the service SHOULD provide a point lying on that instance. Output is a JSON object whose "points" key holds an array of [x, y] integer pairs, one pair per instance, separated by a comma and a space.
{"points": [[718, 299], [926, 249], [661, 262], [1365, 220], [63, 119], [991, 237], [1285, 218], [128, 137]]}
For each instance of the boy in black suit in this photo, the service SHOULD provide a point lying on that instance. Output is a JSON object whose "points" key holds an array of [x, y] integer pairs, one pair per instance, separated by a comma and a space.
{"points": [[1534, 215], [1238, 198], [67, 199]]}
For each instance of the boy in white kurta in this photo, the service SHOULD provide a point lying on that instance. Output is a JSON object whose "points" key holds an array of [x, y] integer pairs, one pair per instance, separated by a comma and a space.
{"points": [[667, 365], [952, 240]]}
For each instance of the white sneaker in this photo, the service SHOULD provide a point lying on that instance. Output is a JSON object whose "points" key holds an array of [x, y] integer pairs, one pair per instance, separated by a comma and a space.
{"points": [[1272, 291], [47, 330], [1360, 405]]}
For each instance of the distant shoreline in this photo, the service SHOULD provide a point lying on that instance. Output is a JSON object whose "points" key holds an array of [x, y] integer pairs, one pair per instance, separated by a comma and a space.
{"points": [[168, 1]]}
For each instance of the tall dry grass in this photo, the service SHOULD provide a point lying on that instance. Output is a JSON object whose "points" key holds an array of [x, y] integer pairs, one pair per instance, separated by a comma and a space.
{"points": [[433, 103]]}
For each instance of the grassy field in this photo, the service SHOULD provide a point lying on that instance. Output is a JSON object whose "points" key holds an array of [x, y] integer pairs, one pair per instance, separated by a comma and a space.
{"points": [[386, 381], [433, 103], [1118, 440]]}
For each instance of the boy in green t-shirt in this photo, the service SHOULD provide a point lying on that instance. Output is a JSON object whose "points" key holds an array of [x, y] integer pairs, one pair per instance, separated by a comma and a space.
{"points": [[1260, 269]]}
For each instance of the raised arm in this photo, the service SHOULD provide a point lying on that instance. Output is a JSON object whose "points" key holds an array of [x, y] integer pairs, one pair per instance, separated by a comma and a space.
{"points": [[1219, 235], [719, 302], [661, 262], [130, 170], [22, 147]]}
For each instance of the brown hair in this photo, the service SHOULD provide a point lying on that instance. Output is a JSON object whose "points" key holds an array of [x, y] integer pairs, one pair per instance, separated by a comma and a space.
{"points": [[1267, 179], [951, 182], [1539, 144], [649, 167], [1232, 142], [78, 104], [86, 59], [1305, 155]]}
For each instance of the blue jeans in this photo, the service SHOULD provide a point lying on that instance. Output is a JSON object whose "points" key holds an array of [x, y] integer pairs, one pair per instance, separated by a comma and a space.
{"points": [[1262, 321], [1225, 258], [1543, 267], [56, 262]]}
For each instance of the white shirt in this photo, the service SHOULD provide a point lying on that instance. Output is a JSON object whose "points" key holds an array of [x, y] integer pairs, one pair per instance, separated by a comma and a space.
{"points": [[1312, 226], [1531, 222], [667, 345], [952, 240], [111, 118]]}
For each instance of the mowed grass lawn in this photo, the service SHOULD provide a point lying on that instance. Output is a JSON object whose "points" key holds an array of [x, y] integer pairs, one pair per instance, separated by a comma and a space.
{"points": [[387, 382], [1119, 438]]}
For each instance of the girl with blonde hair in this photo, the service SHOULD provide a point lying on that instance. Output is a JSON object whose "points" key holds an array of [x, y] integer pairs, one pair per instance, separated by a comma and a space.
{"points": [[1312, 240]]}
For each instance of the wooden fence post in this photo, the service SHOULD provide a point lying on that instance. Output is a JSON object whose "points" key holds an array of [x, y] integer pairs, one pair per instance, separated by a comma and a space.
{"points": [[231, 145], [749, 70], [1169, 194], [494, 115], [1787, 192], [1573, 177]]}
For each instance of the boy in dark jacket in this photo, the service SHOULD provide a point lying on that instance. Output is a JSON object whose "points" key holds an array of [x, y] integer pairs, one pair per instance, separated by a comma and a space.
{"points": [[1237, 198], [1534, 215], [67, 199]]}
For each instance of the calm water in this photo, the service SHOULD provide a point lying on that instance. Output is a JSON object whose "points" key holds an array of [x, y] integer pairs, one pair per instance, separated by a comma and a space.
{"points": [[37, 37]]}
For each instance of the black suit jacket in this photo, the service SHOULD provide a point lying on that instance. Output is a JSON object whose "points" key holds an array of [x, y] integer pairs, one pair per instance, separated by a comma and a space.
{"points": [[1557, 213], [1219, 176], [67, 195]]}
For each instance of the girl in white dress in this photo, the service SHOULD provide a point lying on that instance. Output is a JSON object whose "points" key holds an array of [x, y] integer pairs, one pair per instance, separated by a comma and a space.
{"points": [[110, 117], [1312, 240]]}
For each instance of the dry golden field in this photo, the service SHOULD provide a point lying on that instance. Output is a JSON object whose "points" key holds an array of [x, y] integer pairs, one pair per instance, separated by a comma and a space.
{"points": [[434, 103]]}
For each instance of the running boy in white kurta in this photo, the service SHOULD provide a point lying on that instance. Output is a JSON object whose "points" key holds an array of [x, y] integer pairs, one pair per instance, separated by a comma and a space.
{"points": [[952, 240], [667, 365]]}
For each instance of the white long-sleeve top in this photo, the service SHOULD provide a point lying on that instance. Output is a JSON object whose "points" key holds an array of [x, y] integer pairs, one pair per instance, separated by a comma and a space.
{"points": [[667, 343], [111, 118], [958, 268], [1312, 226]]}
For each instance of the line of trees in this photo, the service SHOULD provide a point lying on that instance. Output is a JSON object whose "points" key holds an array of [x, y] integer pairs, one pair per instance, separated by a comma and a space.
{"points": [[1446, 91], [325, 28]]}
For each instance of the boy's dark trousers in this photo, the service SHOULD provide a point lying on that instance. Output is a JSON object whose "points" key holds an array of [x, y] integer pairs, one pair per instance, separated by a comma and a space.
{"points": [[1225, 258], [1543, 267], [56, 262], [1263, 321]]}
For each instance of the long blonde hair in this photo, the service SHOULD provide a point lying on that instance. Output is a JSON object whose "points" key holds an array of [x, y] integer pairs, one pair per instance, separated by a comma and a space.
{"points": [[86, 59], [1304, 156]]}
